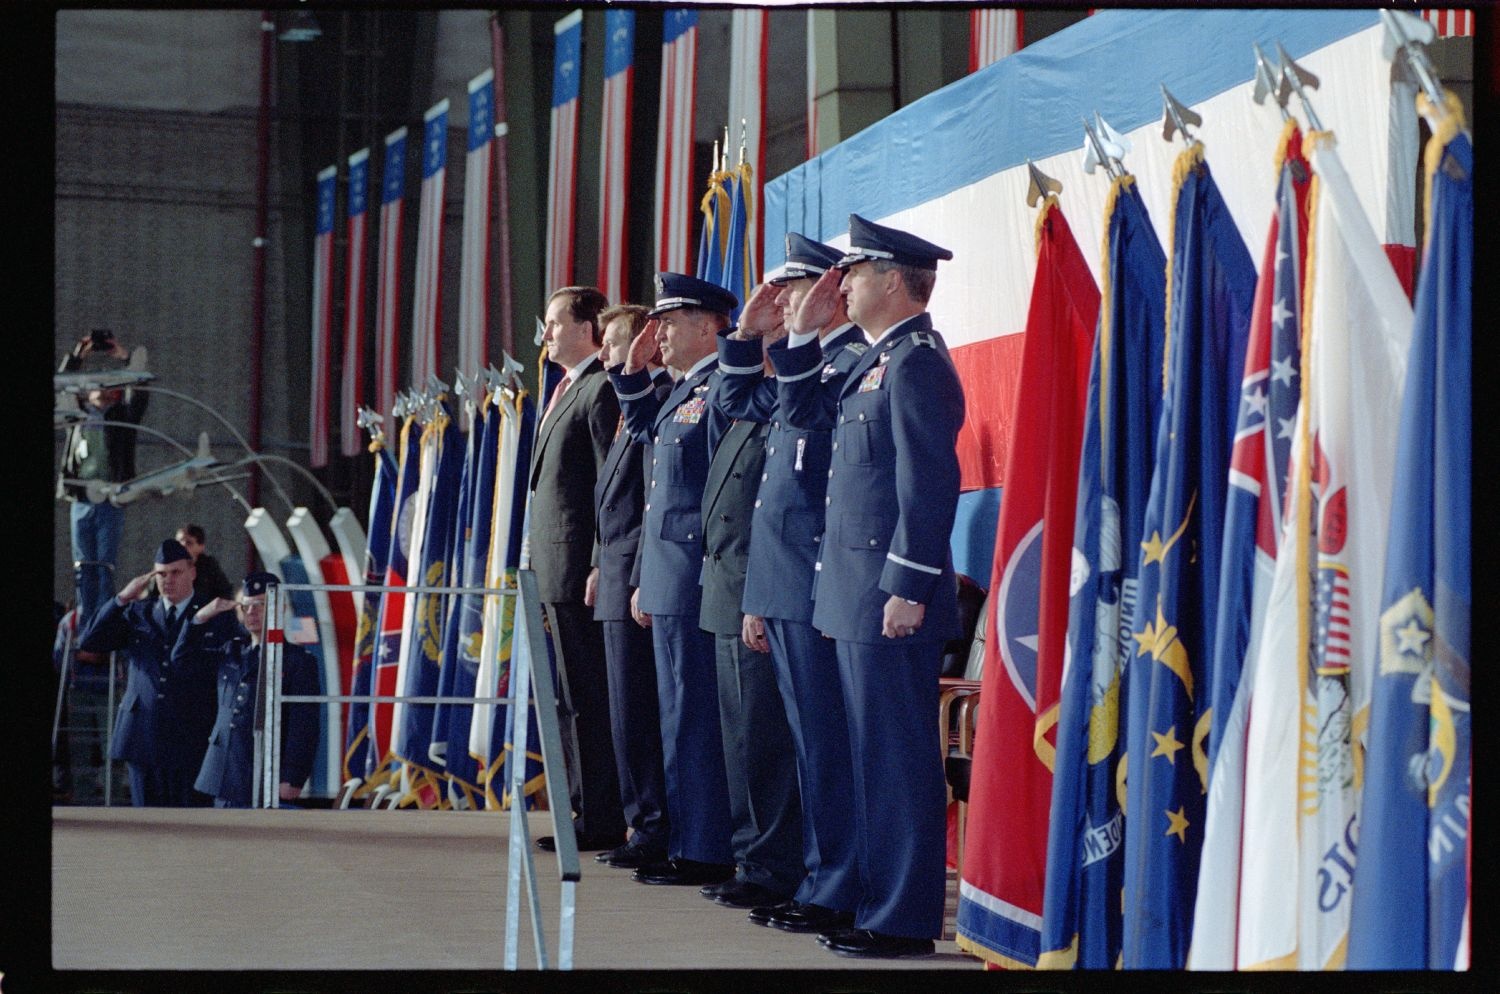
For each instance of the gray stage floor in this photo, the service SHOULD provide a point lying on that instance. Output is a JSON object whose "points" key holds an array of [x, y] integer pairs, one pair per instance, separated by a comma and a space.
{"points": [[316, 890]]}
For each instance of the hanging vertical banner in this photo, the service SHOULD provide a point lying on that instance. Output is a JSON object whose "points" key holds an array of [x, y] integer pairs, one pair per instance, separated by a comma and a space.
{"points": [[749, 36], [562, 165], [994, 33], [388, 278], [322, 316], [674, 140], [427, 307], [1451, 22], [353, 393], [474, 278], [812, 87], [614, 150]]}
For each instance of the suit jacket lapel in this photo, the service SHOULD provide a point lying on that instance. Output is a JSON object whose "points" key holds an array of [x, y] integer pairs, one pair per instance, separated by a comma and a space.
{"points": [[734, 439]]}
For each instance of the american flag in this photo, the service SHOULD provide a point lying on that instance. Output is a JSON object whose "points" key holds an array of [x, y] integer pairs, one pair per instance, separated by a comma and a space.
{"points": [[748, 38], [1452, 22], [675, 201], [614, 150], [322, 314], [353, 394], [474, 289], [994, 33], [388, 278], [427, 308], [562, 167]]}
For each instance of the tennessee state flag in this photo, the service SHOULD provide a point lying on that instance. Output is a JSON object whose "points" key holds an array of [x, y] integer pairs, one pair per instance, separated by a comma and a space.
{"points": [[1000, 897], [393, 603], [377, 548]]}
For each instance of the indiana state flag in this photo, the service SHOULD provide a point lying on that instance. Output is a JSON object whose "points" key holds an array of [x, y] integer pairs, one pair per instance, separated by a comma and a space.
{"points": [[1081, 922], [738, 276], [1010, 799], [377, 547], [1211, 288], [1269, 398], [1411, 886], [414, 740]]}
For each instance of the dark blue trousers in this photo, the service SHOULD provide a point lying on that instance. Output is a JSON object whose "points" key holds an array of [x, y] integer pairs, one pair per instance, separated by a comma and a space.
{"points": [[692, 746], [891, 697], [761, 767], [807, 674], [635, 725], [164, 786]]}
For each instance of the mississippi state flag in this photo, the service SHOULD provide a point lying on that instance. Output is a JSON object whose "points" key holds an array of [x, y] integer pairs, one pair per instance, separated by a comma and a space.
{"points": [[614, 150], [388, 277], [352, 394], [322, 315], [674, 141], [474, 284], [427, 308], [393, 603], [562, 165]]}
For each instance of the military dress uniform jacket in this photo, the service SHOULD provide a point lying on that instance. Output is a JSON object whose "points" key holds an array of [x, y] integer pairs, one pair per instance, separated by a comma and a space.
{"points": [[787, 525], [619, 497], [229, 763], [571, 446], [893, 482], [728, 499], [168, 707], [682, 430]]}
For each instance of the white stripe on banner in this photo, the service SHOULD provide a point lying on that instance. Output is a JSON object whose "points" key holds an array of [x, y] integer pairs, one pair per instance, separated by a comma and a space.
{"points": [[994, 33], [614, 151], [473, 290], [812, 89], [747, 99], [351, 394], [561, 177], [1451, 23], [675, 202], [388, 278], [426, 313], [322, 318]]}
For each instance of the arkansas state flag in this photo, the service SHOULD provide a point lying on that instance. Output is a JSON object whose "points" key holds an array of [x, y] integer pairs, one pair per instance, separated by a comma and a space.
{"points": [[1000, 897], [393, 603]]}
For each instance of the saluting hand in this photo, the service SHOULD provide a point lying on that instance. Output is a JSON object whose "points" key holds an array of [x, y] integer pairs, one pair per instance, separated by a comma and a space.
{"points": [[820, 305], [136, 588], [213, 609], [642, 348], [761, 315]]}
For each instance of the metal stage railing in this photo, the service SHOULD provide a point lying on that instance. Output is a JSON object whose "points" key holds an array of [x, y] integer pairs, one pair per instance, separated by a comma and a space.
{"points": [[528, 636]]}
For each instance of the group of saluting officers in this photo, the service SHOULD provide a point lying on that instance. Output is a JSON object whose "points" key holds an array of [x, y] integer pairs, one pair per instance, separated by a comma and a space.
{"points": [[745, 570]]}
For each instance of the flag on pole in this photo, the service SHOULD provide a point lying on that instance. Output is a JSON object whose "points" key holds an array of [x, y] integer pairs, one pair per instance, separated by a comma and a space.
{"points": [[739, 274], [749, 49], [1081, 921], [353, 393], [1026, 626], [562, 161], [377, 549], [498, 610], [502, 746], [427, 464], [1210, 291], [674, 139], [994, 33], [614, 151], [715, 233], [1411, 893], [393, 603], [1269, 396], [322, 316], [474, 280], [427, 308], [388, 279]]}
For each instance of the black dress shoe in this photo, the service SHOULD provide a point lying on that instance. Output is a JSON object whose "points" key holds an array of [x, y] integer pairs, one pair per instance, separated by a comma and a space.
{"points": [[876, 945], [684, 872], [548, 843], [762, 915], [740, 893], [712, 891], [824, 938], [811, 918], [628, 857]]}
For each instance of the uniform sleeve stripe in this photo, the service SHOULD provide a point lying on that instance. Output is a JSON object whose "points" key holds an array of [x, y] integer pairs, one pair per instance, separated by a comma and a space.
{"points": [[638, 394], [742, 370], [911, 565], [800, 376]]}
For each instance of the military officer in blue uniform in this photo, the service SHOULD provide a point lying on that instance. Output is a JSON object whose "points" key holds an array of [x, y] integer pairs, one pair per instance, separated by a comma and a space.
{"points": [[683, 430], [630, 661], [228, 765], [785, 533], [164, 718], [886, 590]]}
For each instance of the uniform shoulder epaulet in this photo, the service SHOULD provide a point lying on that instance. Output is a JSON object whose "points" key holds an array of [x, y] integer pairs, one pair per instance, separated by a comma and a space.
{"points": [[858, 348], [924, 339]]}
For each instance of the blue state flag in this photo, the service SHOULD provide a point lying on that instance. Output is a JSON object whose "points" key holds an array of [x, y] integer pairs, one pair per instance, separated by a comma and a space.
{"points": [[1211, 287], [1411, 883], [737, 276], [715, 208], [1081, 922], [377, 547], [301, 625]]}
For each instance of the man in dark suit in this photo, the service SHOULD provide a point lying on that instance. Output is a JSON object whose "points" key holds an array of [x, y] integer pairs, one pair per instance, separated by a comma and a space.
{"points": [[573, 438], [229, 763], [161, 729], [758, 756], [683, 429], [787, 528], [886, 590], [635, 716]]}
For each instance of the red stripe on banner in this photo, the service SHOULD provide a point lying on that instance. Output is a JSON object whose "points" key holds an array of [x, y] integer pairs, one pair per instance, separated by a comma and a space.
{"points": [[354, 333], [387, 306], [990, 372], [1404, 262]]}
